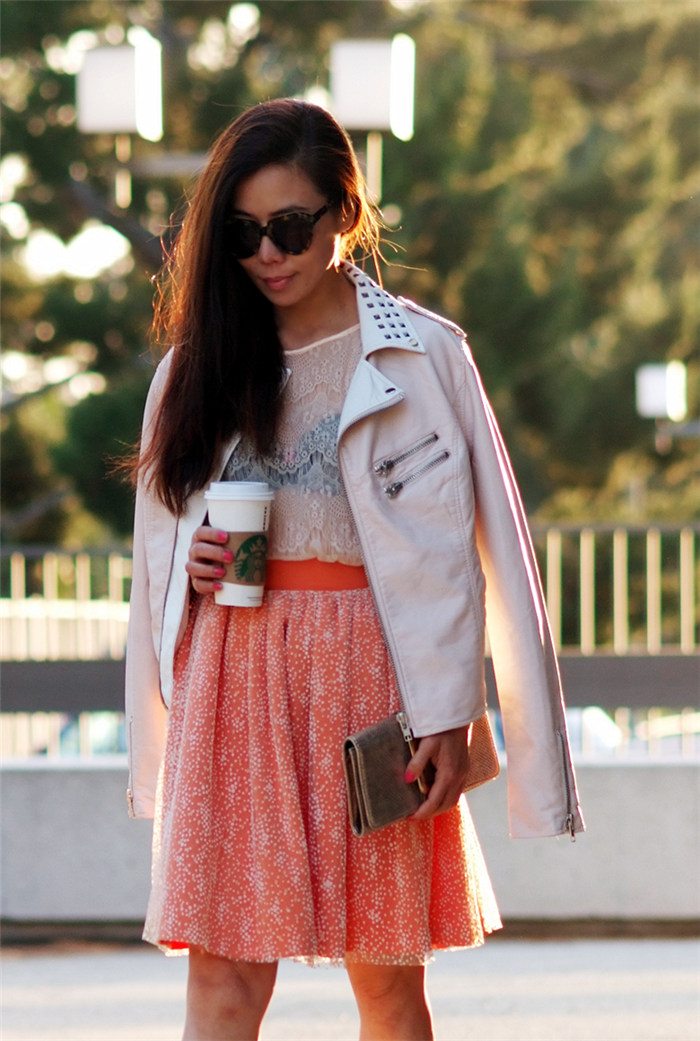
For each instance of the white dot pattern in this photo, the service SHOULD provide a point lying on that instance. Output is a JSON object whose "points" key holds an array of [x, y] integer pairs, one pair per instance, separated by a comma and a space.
{"points": [[254, 858]]}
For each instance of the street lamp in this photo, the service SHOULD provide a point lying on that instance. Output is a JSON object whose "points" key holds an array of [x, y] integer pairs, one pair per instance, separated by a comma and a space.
{"points": [[372, 88], [119, 92], [661, 395]]}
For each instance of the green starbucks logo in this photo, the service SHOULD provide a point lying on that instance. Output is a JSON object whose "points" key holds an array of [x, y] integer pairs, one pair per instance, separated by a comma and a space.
{"points": [[249, 563]]}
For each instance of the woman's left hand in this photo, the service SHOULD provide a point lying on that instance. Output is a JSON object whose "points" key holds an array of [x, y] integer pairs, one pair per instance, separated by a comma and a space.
{"points": [[449, 755]]}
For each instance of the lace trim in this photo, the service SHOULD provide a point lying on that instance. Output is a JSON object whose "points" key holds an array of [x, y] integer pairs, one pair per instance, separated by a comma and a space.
{"points": [[296, 351], [312, 464], [311, 515]]}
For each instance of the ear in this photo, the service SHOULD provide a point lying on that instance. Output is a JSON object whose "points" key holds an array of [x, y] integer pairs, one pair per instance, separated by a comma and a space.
{"points": [[349, 216]]}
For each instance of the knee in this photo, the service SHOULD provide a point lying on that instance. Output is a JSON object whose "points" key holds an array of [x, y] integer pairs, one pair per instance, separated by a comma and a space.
{"points": [[389, 987], [229, 988], [392, 1002], [386, 984]]}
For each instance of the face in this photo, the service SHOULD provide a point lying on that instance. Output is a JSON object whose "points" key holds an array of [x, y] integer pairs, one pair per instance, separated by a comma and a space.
{"points": [[289, 280]]}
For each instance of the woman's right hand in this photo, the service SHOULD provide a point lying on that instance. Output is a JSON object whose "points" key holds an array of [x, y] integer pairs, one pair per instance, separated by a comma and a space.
{"points": [[208, 557]]}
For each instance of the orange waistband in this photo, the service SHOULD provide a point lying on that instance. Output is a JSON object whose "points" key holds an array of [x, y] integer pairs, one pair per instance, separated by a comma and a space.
{"points": [[313, 574]]}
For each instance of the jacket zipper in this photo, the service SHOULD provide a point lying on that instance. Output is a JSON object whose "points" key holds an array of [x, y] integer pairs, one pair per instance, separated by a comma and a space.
{"points": [[569, 821], [402, 720], [165, 604], [392, 490], [130, 790], [171, 565], [385, 466], [372, 579], [367, 560], [360, 534]]}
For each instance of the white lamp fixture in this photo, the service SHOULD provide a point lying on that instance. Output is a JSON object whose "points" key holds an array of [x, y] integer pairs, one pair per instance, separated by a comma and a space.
{"points": [[119, 89], [661, 391], [372, 84]]}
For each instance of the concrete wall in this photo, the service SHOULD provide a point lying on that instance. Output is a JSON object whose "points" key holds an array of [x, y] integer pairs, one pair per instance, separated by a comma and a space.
{"points": [[69, 852]]}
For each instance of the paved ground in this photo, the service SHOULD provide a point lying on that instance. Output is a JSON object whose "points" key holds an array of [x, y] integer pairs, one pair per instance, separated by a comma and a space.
{"points": [[509, 990]]}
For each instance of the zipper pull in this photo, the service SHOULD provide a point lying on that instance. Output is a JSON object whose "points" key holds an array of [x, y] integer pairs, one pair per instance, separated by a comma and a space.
{"points": [[570, 826], [392, 490], [402, 720], [383, 468]]}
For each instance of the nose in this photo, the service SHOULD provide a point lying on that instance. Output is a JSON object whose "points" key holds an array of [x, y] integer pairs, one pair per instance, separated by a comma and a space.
{"points": [[268, 251]]}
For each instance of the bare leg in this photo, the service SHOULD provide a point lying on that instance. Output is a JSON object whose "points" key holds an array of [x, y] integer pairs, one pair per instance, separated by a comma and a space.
{"points": [[392, 1002], [226, 1000]]}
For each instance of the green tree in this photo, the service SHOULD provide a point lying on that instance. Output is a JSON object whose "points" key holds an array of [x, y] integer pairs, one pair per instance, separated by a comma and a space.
{"points": [[546, 204], [556, 220]]}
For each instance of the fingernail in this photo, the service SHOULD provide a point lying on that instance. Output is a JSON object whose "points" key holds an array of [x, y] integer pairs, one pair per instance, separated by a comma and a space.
{"points": [[218, 585], [220, 571], [228, 556], [222, 536], [408, 777]]}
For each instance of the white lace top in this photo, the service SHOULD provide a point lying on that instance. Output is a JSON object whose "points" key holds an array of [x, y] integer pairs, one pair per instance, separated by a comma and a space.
{"points": [[311, 514]]}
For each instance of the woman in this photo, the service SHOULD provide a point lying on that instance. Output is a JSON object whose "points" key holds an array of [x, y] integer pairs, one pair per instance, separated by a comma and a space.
{"points": [[396, 525]]}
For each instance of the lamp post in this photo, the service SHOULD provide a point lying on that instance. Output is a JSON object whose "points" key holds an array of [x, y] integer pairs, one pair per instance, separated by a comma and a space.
{"points": [[661, 395], [119, 92], [372, 89]]}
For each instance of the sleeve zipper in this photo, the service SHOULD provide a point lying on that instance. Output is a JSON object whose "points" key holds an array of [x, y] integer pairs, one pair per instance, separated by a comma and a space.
{"points": [[569, 819], [130, 790]]}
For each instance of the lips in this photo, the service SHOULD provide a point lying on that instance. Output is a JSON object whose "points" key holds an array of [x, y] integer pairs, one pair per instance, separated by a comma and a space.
{"points": [[275, 285]]}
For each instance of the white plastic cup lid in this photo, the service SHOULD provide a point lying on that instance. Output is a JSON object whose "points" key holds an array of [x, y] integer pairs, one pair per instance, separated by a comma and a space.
{"points": [[256, 491]]}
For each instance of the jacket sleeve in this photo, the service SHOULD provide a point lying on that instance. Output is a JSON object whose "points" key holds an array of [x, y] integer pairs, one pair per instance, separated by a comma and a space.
{"points": [[146, 714], [524, 660]]}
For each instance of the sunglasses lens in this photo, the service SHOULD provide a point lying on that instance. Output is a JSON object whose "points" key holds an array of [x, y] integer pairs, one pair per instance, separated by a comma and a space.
{"points": [[292, 232], [244, 238]]}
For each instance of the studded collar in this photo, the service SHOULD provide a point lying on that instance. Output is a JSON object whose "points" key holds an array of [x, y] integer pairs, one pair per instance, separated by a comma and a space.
{"points": [[384, 321]]}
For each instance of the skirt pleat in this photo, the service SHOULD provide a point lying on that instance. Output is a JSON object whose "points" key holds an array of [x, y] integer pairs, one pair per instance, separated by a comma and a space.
{"points": [[253, 855]]}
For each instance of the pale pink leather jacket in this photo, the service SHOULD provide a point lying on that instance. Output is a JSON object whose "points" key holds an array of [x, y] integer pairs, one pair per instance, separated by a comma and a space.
{"points": [[446, 549]]}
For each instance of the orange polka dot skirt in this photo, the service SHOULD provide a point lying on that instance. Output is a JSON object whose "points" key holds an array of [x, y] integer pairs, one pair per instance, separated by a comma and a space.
{"points": [[253, 855]]}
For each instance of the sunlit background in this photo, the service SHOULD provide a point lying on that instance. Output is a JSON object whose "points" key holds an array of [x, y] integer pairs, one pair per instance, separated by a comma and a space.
{"points": [[537, 163], [544, 199], [538, 170]]}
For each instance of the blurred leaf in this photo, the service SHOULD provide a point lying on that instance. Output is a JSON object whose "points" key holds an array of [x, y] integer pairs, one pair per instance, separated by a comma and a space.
{"points": [[100, 431]]}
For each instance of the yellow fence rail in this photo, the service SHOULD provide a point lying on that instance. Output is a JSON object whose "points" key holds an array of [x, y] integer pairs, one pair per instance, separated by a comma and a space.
{"points": [[609, 588]]}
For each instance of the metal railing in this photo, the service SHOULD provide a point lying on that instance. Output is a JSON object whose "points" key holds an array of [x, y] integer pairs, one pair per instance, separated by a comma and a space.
{"points": [[57, 605], [622, 589], [611, 588], [624, 604]]}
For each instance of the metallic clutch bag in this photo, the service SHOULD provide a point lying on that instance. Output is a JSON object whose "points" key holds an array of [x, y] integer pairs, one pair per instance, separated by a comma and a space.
{"points": [[375, 760], [483, 757]]}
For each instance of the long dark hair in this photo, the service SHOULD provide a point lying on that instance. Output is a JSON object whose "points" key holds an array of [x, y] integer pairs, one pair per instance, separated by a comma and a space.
{"points": [[227, 361]]}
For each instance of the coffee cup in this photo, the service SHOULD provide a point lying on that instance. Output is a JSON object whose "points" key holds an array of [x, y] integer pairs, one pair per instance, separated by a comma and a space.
{"points": [[242, 509]]}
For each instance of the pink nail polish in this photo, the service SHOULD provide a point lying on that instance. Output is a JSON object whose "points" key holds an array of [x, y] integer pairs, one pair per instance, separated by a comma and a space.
{"points": [[222, 536], [220, 572], [408, 777], [228, 556], [218, 585]]}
